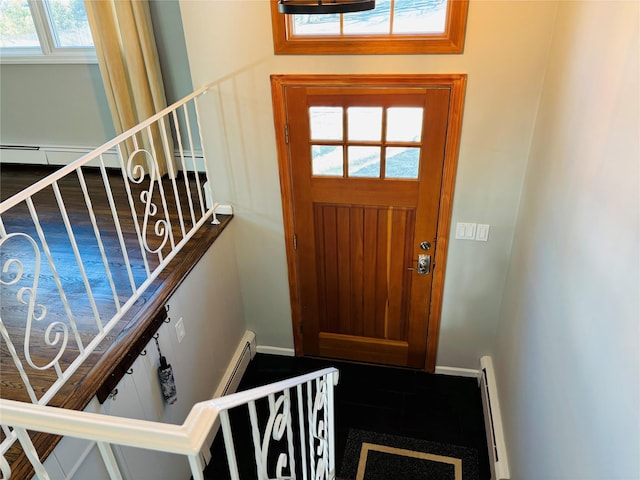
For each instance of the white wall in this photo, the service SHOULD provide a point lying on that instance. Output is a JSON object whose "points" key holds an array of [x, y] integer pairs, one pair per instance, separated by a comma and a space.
{"points": [[505, 56], [211, 309], [567, 355], [53, 105], [65, 105]]}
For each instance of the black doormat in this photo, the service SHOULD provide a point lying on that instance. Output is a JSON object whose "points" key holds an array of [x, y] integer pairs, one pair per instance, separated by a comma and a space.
{"points": [[379, 456]]}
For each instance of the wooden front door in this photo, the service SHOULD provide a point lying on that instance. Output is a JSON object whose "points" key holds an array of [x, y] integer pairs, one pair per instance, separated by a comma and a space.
{"points": [[362, 180]]}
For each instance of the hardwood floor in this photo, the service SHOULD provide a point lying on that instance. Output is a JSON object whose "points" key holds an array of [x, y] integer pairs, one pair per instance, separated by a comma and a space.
{"points": [[84, 384]]}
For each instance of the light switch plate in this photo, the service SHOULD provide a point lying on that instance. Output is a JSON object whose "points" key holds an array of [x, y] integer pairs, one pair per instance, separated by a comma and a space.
{"points": [[465, 231], [482, 232], [180, 331]]}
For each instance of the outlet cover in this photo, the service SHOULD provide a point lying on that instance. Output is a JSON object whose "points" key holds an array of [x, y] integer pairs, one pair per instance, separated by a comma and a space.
{"points": [[180, 331]]}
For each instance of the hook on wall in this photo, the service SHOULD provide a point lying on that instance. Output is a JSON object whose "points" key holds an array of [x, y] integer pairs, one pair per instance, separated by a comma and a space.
{"points": [[143, 353], [130, 371], [113, 394]]}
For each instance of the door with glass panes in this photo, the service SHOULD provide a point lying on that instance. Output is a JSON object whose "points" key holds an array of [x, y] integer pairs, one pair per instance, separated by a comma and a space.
{"points": [[365, 166]]}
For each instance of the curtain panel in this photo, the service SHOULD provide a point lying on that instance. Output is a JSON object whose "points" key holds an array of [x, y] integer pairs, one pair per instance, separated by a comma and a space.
{"points": [[126, 50]]}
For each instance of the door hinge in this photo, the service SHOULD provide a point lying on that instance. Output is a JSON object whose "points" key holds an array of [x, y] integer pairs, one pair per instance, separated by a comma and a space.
{"points": [[295, 241], [286, 133]]}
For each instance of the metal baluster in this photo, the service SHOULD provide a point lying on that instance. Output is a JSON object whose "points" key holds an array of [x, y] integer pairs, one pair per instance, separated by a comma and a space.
{"points": [[327, 427], [185, 170], [96, 232], [255, 435], [331, 380], [197, 467], [116, 221], [312, 427], [292, 453], [134, 216], [169, 155], [204, 156], [31, 453], [56, 277], [76, 250], [228, 445], [193, 158], [109, 460], [161, 189], [303, 450]]}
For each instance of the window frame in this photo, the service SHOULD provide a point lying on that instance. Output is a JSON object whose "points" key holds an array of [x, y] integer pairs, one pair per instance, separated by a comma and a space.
{"points": [[48, 52], [450, 41]]}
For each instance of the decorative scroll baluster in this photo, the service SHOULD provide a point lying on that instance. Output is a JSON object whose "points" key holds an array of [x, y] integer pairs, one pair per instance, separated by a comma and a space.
{"points": [[63, 297], [18, 362], [318, 430], [134, 216], [76, 252], [116, 222], [31, 293], [163, 198], [5, 469], [168, 153]]}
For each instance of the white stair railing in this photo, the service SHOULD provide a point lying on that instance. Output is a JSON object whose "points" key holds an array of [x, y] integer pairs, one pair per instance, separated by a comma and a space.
{"points": [[25, 246], [295, 440], [48, 340]]}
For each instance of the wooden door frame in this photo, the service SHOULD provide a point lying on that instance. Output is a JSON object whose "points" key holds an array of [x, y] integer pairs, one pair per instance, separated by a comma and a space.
{"points": [[457, 84]]}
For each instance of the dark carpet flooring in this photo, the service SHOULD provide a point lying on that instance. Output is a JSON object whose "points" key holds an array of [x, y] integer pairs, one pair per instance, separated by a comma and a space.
{"points": [[440, 409]]}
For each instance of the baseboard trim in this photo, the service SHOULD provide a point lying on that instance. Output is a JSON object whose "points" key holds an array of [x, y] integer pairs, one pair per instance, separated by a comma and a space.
{"points": [[66, 154], [458, 372], [496, 443], [237, 365], [244, 353], [287, 352]]}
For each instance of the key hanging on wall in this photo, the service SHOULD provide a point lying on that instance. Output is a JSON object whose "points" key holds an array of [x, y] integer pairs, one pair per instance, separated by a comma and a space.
{"points": [[165, 374]]}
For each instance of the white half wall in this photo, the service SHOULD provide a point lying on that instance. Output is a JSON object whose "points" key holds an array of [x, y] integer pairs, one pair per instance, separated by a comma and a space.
{"points": [[208, 302], [567, 355], [505, 57]]}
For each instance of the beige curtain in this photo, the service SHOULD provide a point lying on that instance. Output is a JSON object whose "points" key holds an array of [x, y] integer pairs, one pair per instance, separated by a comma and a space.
{"points": [[126, 50]]}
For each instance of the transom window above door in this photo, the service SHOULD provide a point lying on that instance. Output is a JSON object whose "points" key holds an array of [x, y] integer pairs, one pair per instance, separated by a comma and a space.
{"points": [[365, 141], [392, 27]]}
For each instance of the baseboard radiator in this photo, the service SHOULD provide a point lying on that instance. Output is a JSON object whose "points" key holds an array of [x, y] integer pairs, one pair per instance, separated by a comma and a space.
{"points": [[244, 353], [493, 421]]}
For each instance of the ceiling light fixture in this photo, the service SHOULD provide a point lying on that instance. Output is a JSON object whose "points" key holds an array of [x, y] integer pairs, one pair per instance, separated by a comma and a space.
{"points": [[312, 7]]}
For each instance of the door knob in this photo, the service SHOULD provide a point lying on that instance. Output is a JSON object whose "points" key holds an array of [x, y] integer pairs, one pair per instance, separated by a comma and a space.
{"points": [[424, 264]]}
